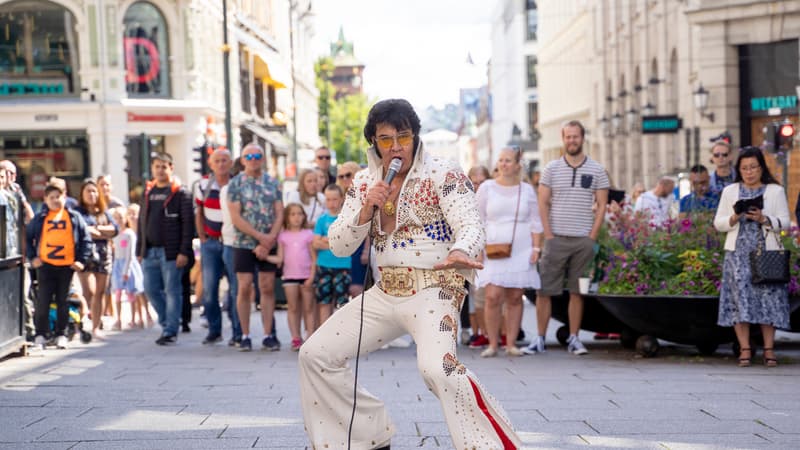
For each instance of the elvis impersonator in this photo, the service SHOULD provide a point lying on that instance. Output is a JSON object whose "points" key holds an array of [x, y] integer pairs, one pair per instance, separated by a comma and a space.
{"points": [[427, 235]]}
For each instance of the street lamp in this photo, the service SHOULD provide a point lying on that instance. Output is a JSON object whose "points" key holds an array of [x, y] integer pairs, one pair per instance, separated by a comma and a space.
{"points": [[649, 109], [631, 116], [616, 123], [604, 126], [701, 102]]}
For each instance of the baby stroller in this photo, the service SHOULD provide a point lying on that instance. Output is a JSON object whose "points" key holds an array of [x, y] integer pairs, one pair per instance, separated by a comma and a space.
{"points": [[74, 323]]}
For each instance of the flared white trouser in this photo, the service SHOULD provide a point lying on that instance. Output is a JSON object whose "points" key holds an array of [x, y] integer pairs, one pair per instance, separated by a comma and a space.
{"points": [[474, 418]]}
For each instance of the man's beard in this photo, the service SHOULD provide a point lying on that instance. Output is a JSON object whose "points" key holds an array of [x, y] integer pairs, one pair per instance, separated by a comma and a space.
{"points": [[574, 152]]}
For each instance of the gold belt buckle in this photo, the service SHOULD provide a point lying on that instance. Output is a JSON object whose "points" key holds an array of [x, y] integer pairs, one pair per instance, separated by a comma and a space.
{"points": [[398, 281]]}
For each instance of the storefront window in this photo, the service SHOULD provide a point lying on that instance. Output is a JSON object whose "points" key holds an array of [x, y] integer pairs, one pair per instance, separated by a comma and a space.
{"points": [[41, 155], [146, 51], [38, 50]]}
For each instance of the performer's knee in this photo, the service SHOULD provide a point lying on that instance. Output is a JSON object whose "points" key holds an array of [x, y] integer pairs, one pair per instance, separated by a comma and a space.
{"points": [[436, 371]]}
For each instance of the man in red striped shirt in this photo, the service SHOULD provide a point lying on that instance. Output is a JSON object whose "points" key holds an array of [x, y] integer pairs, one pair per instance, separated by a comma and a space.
{"points": [[208, 222]]}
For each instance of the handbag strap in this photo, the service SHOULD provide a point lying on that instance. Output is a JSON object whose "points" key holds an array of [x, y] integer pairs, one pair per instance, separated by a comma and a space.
{"points": [[514, 231], [763, 242]]}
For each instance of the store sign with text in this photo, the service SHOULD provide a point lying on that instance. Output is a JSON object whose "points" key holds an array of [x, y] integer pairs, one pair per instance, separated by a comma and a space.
{"points": [[661, 124], [770, 103], [32, 87]]}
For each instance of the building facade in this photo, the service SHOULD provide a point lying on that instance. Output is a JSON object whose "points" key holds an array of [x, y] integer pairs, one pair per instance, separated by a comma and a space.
{"points": [[513, 79], [94, 86], [632, 72]]}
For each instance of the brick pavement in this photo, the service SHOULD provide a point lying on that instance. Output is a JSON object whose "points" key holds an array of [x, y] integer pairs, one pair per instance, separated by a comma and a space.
{"points": [[127, 393]]}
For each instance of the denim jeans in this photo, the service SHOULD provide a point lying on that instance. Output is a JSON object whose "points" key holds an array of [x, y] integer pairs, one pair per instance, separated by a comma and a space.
{"points": [[233, 290], [213, 265], [162, 284]]}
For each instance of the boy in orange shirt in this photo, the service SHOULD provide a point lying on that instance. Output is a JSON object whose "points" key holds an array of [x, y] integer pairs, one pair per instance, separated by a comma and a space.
{"points": [[57, 246]]}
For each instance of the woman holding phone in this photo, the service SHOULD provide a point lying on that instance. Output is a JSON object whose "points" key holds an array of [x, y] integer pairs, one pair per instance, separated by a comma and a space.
{"points": [[741, 302]]}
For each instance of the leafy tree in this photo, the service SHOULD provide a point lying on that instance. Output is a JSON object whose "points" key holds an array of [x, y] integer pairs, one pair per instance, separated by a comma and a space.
{"points": [[323, 69], [341, 121], [348, 116]]}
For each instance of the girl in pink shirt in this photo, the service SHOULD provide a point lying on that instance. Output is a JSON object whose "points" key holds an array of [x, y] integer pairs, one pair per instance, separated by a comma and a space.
{"points": [[297, 260]]}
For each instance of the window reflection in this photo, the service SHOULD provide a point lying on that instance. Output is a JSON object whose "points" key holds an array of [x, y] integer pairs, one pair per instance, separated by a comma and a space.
{"points": [[146, 52]]}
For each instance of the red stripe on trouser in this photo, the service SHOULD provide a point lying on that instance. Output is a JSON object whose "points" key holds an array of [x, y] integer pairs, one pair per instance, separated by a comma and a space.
{"points": [[507, 444]]}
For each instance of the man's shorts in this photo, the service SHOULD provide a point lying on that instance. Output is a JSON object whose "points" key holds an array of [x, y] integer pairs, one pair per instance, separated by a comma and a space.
{"points": [[331, 285], [244, 260], [564, 256]]}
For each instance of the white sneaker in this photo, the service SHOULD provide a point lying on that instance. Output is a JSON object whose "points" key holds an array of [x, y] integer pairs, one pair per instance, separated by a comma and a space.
{"points": [[62, 342], [576, 347], [39, 343], [536, 346]]}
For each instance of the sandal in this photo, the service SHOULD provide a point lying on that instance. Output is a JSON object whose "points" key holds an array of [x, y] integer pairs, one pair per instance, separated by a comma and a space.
{"points": [[770, 362], [744, 362]]}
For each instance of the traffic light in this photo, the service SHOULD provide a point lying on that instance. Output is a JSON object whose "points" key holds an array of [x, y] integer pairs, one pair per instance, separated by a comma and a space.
{"points": [[200, 158], [784, 139]]}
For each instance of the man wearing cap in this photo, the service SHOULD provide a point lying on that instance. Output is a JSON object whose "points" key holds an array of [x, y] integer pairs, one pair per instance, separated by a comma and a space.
{"points": [[164, 243]]}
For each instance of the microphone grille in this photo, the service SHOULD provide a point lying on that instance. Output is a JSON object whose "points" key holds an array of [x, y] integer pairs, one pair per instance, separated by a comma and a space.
{"points": [[396, 164]]}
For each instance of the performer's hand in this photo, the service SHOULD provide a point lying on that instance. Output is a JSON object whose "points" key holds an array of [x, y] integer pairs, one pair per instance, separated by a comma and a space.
{"points": [[457, 259], [376, 197]]}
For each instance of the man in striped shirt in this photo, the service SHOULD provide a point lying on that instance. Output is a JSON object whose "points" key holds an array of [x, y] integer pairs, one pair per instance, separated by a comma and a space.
{"points": [[573, 193], [208, 222]]}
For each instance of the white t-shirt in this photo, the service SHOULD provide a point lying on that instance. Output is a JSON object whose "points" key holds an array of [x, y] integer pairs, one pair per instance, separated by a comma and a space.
{"points": [[228, 230], [658, 207], [314, 209]]}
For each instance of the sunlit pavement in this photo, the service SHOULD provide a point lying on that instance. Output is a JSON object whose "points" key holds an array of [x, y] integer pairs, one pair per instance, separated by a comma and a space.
{"points": [[128, 393]]}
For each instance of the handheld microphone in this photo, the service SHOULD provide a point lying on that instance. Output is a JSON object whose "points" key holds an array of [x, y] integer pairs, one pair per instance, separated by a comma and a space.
{"points": [[394, 167]]}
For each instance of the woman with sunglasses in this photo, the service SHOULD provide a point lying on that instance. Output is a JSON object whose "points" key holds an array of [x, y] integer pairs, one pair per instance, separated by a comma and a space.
{"points": [[309, 196], [101, 228]]}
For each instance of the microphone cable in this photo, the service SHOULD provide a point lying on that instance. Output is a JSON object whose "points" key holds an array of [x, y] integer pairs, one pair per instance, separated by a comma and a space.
{"points": [[367, 278]]}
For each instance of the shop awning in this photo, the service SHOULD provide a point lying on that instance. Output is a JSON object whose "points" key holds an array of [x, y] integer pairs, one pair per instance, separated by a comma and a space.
{"points": [[277, 139], [268, 65]]}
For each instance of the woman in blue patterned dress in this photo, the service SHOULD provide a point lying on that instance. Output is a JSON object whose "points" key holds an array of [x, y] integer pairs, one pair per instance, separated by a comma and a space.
{"points": [[741, 302]]}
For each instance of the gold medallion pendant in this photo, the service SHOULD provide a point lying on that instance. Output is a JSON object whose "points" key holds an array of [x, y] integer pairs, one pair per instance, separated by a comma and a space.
{"points": [[388, 208]]}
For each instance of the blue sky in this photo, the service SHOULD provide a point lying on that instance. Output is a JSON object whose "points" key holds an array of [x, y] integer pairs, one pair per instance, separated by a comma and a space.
{"points": [[415, 49]]}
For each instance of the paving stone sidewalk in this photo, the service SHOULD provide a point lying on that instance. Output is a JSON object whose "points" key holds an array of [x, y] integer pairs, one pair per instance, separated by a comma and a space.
{"points": [[128, 393]]}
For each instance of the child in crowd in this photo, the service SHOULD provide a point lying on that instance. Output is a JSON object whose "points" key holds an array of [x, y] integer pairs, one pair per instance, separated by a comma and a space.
{"points": [[333, 272], [142, 304], [57, 246], [126, 274], [297, 259]]}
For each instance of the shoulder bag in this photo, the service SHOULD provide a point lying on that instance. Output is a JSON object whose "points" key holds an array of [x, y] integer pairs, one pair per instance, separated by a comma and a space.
{"points": [[500, 251], [770, 266]]}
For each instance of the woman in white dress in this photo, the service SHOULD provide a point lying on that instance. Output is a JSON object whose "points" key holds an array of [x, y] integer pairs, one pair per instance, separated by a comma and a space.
{"points": [[505, 278], [308, 194]]}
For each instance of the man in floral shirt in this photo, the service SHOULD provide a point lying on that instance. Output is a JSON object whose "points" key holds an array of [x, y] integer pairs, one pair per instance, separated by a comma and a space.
{"points": [[254, 201], [427, 235]]}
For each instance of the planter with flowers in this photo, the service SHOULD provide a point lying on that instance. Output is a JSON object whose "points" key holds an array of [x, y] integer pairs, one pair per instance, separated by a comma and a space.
{"points": [[664, 281]]}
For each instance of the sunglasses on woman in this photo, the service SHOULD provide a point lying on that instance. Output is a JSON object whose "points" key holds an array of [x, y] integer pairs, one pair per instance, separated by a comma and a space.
{"points": [[343, 176]]}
